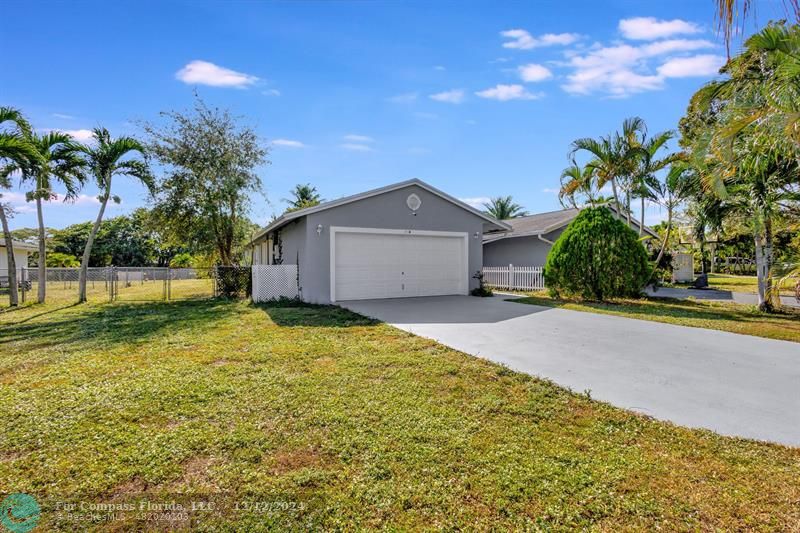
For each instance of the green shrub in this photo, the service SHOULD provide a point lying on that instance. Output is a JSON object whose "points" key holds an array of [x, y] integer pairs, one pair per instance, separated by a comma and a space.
{"points": [[597, 257]]}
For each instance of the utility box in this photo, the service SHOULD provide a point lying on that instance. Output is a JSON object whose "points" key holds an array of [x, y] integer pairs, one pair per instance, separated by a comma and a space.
{"points": [[682, 268]]}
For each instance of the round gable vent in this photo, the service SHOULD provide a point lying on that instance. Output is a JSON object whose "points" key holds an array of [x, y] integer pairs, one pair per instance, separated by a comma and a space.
{"points": [[413, 202]]}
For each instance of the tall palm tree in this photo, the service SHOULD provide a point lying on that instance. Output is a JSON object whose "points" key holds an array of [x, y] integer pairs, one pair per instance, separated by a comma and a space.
{"points": [[57, 162], [645, 182], [614, 158], [504, 208], [104, 160], [577, 180], [731, 15], [303, 195], [680, 181], [15, 152]]}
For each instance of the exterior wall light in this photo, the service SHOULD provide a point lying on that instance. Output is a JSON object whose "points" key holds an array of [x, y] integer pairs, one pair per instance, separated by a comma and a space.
{"points": [[477, 234], [319, 229]]}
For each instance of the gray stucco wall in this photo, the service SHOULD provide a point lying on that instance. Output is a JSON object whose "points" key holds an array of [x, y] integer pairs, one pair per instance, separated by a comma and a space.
{"points": [[293, 242], [385, 211], [519, 251]]}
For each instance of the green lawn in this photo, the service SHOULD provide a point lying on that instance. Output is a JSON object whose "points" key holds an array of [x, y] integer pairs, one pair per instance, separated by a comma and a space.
{"points": [[735, 318], [350, 424], [749, 284]]}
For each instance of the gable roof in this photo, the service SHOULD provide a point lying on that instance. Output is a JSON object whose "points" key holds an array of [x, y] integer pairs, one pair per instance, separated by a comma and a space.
{"points": [[543, 223], [288, 217], [20, 245]]}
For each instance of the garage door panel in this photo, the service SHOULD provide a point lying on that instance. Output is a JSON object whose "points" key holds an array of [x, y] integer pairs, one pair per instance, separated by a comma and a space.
{"points": [[391, 265]]}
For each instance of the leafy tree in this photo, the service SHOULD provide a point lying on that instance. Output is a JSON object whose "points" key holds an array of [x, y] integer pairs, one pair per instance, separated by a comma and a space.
{"points": [[504, 208], [57, 259], [597, 257], [303, 195], [57, 161], [105, 159], [15, 151], [204, 196], [182, 260]]}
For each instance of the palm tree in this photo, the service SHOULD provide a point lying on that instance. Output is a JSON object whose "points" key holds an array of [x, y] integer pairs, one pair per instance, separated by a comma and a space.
{"points": [[504, 208], [303, 195], [577, 180], [733, 13], [105, 160], [614, 158], [15, 151], [680, 181], [645, 183], [57, 161]]}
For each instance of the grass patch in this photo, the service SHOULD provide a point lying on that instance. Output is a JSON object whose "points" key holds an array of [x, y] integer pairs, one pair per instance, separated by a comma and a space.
{"points": [[359, 424], [748, 284], [747, 320]]}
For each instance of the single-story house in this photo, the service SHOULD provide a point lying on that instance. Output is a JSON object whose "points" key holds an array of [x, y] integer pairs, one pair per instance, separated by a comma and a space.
{"points": [[402, 240], [531, 237], [21, 252]]}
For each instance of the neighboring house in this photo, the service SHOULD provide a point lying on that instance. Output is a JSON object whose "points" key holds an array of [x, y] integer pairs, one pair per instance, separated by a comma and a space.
{"points": [[531, 237], [21, 252], [402, 240]]}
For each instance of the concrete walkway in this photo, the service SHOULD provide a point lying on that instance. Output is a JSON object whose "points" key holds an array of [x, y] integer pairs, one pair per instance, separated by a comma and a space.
{"points": [[716, 295], [732, 384]]}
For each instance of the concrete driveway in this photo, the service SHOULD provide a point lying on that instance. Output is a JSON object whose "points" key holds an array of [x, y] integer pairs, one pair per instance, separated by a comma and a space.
{"points": [[732, 384]]}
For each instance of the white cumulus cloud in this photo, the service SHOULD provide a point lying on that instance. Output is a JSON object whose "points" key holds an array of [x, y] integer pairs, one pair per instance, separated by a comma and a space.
{"points": [[650, 28], [522, 40], [455, 96], [687, 67], [205, 73], [533, 72], [288, 143], [504, 93], [80, 135]]}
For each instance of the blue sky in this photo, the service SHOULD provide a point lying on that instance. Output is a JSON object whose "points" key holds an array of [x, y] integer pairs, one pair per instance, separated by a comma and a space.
{"points": [[477, 98]]}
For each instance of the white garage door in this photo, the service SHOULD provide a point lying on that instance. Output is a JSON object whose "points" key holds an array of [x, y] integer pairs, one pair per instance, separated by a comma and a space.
{"points": [[370, 264]]}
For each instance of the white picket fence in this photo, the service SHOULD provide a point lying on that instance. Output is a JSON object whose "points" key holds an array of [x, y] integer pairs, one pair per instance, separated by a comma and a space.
{"points": [[523, 278], [271, 282]]}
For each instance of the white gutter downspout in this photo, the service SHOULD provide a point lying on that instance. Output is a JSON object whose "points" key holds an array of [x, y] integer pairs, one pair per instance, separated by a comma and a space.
{"points": [[539, 236]]}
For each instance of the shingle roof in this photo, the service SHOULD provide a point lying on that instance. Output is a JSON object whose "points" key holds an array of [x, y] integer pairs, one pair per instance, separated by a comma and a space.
{"points": [[535, 224], [542, 223]]}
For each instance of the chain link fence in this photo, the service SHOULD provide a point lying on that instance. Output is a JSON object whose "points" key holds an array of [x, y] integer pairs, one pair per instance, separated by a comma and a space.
{"points": [[128, 284]]}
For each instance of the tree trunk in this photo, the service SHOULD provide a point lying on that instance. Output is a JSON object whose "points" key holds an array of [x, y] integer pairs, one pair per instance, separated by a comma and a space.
{"points": [[616, 197], [628, 207], [666, 236], [12, 264], [42, 268], [641, 224], [772, 296], [87, 251]]}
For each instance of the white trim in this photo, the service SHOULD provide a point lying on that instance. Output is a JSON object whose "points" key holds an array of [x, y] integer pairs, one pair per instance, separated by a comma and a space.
{"points": [[381, 231], [287, 217]]}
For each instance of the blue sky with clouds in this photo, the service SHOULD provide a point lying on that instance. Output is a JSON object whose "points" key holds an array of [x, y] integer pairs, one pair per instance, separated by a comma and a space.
{"points": [[477, 98]]}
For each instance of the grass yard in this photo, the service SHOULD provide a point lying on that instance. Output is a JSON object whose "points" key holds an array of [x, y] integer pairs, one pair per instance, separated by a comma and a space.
{"points": [[333, 421], [749, 284], [695, 313]]}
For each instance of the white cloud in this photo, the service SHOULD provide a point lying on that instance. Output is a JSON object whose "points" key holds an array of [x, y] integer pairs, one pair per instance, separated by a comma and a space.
{"points": [[289, 143], [650, 28], [476, 202], [404, 98], [271, 92], [205, 73], [63, 116], [80, 135], [533, 72], [522, 40], [456, 96], [352, 137], [550, 191], [439, 67], [622, 70], [504, 93], [687, 67], [354, 147], [20, 205]]}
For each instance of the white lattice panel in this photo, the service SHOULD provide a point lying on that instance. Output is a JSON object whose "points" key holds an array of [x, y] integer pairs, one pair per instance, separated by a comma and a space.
{"points": [[271, 282]]}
